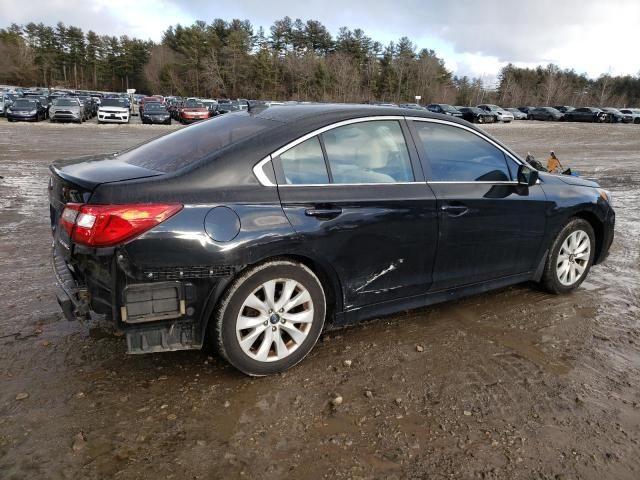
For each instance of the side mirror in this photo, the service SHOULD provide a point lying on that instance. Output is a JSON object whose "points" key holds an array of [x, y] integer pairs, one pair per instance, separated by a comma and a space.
{"points": [[527, 176]]}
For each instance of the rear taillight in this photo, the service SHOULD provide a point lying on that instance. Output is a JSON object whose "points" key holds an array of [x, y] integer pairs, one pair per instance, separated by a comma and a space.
{"points": [[109, 225]]}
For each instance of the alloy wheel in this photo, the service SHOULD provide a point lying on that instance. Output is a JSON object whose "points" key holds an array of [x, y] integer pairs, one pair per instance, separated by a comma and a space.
{"points": [[573, 257], [274, 320]]}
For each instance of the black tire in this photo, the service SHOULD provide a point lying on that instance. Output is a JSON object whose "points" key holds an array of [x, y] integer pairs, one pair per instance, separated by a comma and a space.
{"points": [[222, 327], [550, 278], [636, 120]]}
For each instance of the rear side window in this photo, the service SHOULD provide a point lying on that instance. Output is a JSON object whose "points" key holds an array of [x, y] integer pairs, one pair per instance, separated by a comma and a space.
{"points": [[194, 143], [456, 155], [304, 164], [368, 152]]}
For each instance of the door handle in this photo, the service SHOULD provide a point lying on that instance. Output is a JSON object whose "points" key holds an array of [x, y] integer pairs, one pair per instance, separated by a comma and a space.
{"points": [[323, 213], [454, 210]]}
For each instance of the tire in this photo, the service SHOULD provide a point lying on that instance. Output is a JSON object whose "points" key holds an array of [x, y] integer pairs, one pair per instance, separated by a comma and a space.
{"points": [[558, 275], [269, 336], [636, 120]]}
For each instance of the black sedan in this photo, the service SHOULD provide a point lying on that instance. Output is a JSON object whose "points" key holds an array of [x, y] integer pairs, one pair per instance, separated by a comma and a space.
{"points": [[258, 229], [155, 113], [545, 113], [585, 114], [616, 116], [476, 115], [564, 108], [26, 109]]}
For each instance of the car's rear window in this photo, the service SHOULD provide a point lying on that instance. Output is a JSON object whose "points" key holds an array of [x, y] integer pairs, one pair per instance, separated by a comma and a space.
{"points": [[191, 144]]}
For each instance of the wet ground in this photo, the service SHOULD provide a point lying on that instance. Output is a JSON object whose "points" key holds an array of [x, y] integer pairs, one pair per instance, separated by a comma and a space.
{"points": [[512, 384]]}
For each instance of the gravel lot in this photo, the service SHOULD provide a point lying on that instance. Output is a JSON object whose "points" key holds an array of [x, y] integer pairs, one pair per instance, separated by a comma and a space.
{"points": [[512, 384]]}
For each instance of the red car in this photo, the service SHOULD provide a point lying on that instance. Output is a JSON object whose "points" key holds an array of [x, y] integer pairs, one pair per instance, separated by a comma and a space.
{"points": [[193, 111]]}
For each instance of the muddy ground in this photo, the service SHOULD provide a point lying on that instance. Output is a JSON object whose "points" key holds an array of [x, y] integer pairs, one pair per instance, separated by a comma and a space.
{"points": [[512, 384]]}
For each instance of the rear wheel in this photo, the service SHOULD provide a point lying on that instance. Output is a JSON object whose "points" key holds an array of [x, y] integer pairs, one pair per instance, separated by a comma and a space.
{"points": [[270, 317], [570, 257]]}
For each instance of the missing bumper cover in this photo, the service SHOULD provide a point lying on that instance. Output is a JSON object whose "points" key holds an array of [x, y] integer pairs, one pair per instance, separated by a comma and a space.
{"points": [[153, 301]]}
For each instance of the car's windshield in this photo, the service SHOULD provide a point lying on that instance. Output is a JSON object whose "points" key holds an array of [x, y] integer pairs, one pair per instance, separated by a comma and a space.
{"points": [[190, 145], [154, 106], [193, 104], [114, 102], [23, 102], [447, 108], [65, 102]]}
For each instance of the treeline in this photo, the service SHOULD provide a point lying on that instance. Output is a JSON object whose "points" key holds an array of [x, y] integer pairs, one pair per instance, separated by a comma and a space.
{"points": [[293, 60], [552, 86]]}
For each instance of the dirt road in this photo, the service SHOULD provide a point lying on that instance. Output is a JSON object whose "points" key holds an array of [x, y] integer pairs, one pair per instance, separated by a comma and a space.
{"points": [[511, 384]]}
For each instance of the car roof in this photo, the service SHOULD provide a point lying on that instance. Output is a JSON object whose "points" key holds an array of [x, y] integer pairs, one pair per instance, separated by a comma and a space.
{"points": [[327, 113]]}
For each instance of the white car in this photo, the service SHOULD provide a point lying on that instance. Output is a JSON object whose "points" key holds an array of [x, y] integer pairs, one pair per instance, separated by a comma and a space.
{"points": [[113, 110], [634, 112], [501, 114]]}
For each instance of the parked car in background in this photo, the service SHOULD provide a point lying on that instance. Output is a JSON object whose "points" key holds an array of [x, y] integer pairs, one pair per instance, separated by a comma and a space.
{"points": [[501, 114], [585, 114], [113, 110], [69, 109], [545, 113], [525, 109], [26, 109], [212, 106], [8, 99], [564, 108], [412, 106], [2, 104], [444, 109], [45, 101], [226, 106], [476, 115], [192, 111], [155, 113], [634, 112], [255, 230], [517, 114], [152, 99], [616, 116]]}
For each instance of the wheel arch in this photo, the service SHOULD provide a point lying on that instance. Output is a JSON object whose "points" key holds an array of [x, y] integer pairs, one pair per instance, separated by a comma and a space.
{"points": [[326, 274], [598, 231]]}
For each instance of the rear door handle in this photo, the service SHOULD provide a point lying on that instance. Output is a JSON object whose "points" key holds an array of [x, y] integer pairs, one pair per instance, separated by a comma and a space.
{"points": [[454, 210], [323, 213]]}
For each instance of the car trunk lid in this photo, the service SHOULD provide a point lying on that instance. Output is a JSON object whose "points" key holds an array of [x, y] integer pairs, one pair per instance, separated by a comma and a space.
{"points": [[73, 181]]}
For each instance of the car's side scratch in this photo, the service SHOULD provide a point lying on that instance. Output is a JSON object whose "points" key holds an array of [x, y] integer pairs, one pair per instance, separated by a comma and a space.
{"points": [[376, 276]]}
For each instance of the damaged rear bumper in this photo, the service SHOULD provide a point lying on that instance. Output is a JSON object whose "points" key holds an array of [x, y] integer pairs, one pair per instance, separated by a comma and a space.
{"points": [[72, 298]]}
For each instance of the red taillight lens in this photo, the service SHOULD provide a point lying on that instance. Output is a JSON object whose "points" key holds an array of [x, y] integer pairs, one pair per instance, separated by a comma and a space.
{"points": [[108, 225]]}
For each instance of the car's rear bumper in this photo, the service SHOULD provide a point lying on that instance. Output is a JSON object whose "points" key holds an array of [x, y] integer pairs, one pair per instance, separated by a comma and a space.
{"points": [[72, 298]]}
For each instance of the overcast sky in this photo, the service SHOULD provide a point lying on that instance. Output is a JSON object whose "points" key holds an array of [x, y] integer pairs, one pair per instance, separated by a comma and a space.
{"points": [[474, 37]]}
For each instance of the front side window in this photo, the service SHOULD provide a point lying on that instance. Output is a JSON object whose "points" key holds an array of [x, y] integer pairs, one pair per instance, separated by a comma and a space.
{"points": [[368, 152], [457, 155], [304, 164]]}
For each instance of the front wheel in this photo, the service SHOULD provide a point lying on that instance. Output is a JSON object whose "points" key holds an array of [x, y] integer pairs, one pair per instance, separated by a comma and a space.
{"points": [[570, 257], [270, 317]]}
